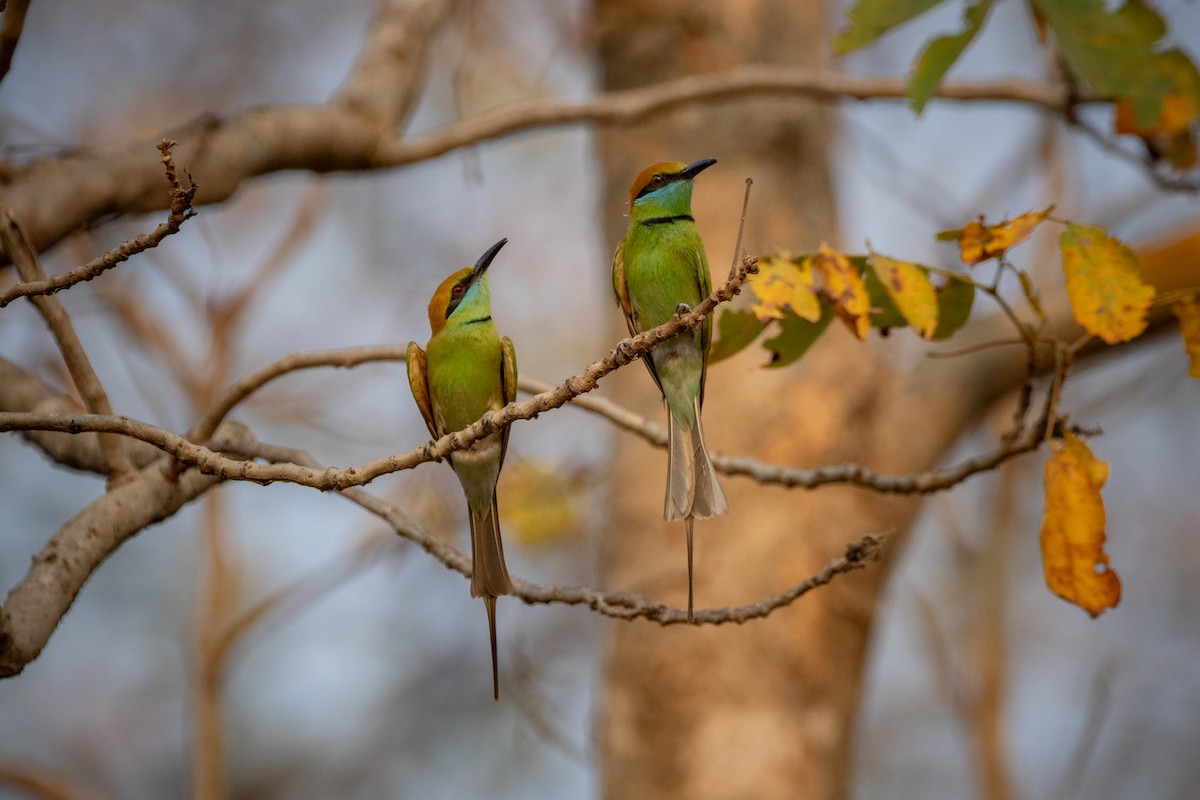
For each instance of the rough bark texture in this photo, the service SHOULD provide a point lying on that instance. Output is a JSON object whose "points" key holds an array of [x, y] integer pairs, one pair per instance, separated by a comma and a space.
{"points": [[764, 710]]}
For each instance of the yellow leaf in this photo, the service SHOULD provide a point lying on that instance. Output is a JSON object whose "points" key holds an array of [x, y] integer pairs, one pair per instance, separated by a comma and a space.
{"points": [[1072, 538], [1188, 312], [978, 242], [1106, 291], [540, 502], [845, 289], [783, 284], [909, 288]]}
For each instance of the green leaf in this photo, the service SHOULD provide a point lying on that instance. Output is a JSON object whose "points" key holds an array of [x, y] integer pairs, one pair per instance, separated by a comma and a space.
{"points": [[1031, 293], [884, 313], [941, 53], [796, 335], [954, 306], [1113, 52], [870, 19], [1172, 132], [735, 330]]}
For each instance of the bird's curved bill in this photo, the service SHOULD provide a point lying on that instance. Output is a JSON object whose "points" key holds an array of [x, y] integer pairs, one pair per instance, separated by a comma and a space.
{"points": [[485, 260], [696, 167]]}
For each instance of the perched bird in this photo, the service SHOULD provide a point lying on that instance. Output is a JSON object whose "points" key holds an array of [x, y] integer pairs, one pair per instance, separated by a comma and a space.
{"points": [[464, 371], [659, 265]]}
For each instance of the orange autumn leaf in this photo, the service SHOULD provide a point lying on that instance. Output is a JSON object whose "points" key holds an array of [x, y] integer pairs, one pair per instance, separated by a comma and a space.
{"points": [[978, 242], [845, 289], [1188, 313], [1108, 297], [783, 284], [909, 288], [1072, 537]]}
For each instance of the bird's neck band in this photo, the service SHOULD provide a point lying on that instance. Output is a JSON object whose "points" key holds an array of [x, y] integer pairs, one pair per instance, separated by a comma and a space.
{"points": [[666, 220]]}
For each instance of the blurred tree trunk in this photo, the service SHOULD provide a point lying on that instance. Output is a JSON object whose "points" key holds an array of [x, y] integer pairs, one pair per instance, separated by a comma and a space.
{"points": [[764, 710]]}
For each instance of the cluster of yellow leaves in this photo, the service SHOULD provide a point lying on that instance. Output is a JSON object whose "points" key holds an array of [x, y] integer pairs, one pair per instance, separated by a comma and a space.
{"points": [[1110, 300], [1108, 297], [782, 283], [802, 285], [1072, 537]]}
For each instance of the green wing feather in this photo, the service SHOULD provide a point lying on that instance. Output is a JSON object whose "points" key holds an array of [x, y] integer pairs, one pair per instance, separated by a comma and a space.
{"points": [[704, 280], [621, 289], [418, 382], [508, 382]]}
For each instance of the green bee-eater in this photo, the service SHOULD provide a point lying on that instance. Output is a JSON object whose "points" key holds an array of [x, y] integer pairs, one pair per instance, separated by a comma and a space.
{"points": [[659, 265], [464, 371]]}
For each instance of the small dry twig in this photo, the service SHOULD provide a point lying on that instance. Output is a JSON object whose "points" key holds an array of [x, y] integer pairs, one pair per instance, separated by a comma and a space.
{"points": [[620, 605], [25, 259], [181, 210]]}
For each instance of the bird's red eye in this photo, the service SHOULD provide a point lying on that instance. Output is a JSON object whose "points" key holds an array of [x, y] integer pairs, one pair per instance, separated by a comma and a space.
{"points": [[658, 180], [458, 290]]}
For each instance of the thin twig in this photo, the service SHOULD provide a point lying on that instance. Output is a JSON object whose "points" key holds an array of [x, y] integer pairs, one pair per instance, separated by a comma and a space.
{"points": [[190, 453], [737, 245], [1147, 164], [25, 259], [244, 387], [181, 210], [620, 605]]}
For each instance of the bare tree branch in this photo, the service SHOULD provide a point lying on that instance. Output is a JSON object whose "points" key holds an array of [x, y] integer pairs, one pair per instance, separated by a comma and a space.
{"points": [[634, 105], [246, 386], [353, 131], [212, 463], [34, 606], [54, 197], [22, 392], [10, 32], [620, 605]]}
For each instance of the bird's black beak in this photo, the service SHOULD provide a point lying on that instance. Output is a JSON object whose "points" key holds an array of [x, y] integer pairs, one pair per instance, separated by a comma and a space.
{"points": [[485, 260], [695, 168]]}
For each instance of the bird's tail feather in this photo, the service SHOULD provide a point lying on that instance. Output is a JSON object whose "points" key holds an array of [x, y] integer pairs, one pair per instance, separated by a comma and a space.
{"points": [[692, 487], [489, 575], [681, 471], [490, 604], [691, 596]]}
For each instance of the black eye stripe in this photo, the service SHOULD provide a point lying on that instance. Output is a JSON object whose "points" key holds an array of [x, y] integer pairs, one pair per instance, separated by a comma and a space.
{"points": [[657, 182]]}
